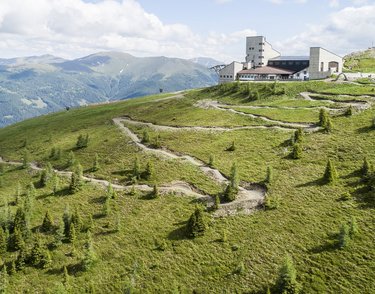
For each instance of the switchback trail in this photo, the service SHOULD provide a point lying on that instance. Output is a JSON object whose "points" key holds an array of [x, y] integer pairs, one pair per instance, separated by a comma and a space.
{"points": [[247, 200]]}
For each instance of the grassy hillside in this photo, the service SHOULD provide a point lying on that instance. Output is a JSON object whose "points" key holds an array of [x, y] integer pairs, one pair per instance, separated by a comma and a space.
{"points": [[141, 244], [363, 61]]}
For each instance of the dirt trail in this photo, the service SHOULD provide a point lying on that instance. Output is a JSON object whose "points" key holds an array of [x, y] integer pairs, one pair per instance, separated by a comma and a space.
{"points": [[358, 104], [282, 124], [248, 198]]}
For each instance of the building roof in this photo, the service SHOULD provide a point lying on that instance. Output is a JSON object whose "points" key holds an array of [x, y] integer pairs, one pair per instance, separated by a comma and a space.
{"points": [[289, 58], [264, 70]]}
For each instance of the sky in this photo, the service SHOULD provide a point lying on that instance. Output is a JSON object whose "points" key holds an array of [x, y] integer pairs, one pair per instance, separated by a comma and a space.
{"points": [[184, 29]]}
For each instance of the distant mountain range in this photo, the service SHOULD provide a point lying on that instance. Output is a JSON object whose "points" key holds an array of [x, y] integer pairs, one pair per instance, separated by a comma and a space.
{"points": [[31, 86]]}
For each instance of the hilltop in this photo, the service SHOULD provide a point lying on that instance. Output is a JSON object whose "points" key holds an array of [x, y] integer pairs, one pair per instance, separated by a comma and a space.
{"points": [[36, 85], [266, 145], [362, 61]]}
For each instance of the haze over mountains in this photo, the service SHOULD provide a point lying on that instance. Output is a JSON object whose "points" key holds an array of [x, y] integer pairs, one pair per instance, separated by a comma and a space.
{"points": [[36, 85]]}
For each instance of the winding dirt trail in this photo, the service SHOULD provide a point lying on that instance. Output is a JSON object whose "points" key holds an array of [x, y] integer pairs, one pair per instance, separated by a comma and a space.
{"points": [[248, 199]]}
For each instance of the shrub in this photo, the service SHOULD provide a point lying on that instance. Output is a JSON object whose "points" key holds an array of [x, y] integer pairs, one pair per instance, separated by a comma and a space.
{"points": [[232, 147], [82, 141], [145, 137], [349, 111], [196, 225], [323, 116]]}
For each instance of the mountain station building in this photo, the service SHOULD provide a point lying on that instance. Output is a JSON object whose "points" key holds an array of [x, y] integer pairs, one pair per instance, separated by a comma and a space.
{"points": [[263, 63]]}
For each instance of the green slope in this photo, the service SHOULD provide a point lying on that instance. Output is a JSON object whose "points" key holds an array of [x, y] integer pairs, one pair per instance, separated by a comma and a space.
{"points": [[363, 61], [150, 252]]}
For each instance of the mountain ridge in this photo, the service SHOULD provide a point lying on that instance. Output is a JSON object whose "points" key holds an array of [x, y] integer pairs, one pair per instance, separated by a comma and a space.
{"points": [[36, 85]]}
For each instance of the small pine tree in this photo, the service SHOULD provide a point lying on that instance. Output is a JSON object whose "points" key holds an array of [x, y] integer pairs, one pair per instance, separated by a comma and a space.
{"points": [[66, 279], [72, 237], [55, 183], [18, 242], [230, 193], [211, 161], [43, 178], [298, 136], [196, 225], [47, 224], [111, 193], [232, 147], [136, 169], [296, 151], [323, 116], [4, 280], [96, 165], [90, 223], [269, 176], [58, 236], [36, 253], [107, 206], [18, 193], [13, 268], [146, 137], [287, 280], [67, 219], [330, 174], [117, 223], [344, 237], [26, 159], [149, 172], [82, 141], [76, 220], [3, 241], [71, 159], [349, 111], [89, 258], [76, 180], [155, 192], [329, 126], [365, 168], [217, 202], [234, 176], [52, 153], [21, 259], [353, 227]]}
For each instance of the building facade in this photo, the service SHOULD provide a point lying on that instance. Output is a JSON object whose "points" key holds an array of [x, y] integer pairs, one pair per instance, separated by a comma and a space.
{"points": [[264, 63]]}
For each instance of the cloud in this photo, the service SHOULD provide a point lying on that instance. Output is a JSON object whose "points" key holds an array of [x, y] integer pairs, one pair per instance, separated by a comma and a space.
{"points": [[349, 29], [71, 28]]}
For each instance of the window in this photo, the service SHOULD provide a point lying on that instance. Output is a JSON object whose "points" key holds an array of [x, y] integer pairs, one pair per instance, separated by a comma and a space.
{"points": [[271, 62], [297, 62], [221, 76], [283, 63], [322, 66], [298, 75], [305, 72], [261, 57], [290, 62]]}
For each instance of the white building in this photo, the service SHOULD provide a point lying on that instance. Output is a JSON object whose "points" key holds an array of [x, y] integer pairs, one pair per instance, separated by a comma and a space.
{"points": [[265, 63], [259, 51]]}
